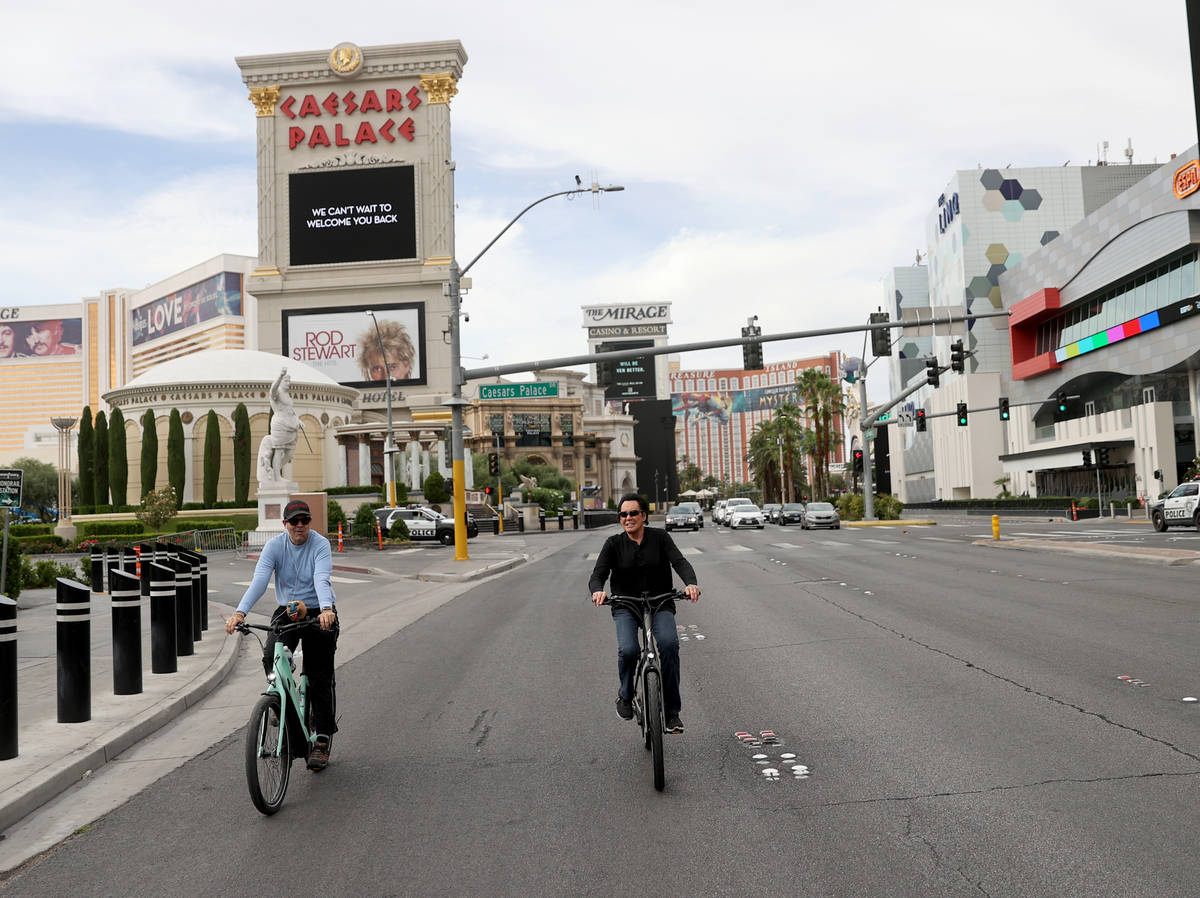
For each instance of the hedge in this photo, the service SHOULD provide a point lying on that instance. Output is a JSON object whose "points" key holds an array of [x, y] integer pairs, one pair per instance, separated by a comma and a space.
{"points": [[360, 490], [109, 528], [1018, 502], [30, 529], [182, 525]]}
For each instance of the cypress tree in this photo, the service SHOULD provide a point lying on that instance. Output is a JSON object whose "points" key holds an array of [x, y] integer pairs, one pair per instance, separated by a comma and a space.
{"points": [[118, 460], [212, 458], [87, 459], [149, 453], [100, 465], [241, 455], [176, 466]]}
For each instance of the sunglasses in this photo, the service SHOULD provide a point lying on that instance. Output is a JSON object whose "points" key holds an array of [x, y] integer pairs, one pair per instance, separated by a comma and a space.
{"points": [[300, 519], [629, 514]]}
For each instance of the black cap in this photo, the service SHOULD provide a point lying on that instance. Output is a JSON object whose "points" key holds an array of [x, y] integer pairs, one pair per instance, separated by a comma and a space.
{"points": [[295, 507]]}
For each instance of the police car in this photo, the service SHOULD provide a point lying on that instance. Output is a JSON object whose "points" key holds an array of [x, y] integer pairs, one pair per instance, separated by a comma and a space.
{"points": [[424, 523], [1179, 508]]}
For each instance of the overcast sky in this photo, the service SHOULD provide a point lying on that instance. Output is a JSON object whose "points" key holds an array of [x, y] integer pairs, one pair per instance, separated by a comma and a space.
{"points": [[778, 158]]}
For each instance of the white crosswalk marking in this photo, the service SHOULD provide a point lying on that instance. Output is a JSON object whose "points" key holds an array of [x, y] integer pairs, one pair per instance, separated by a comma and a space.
{"points": [[940, 539], [881, 542], [271, 585], [784, 546], [737, 547], [692, 550], [834, 543]]}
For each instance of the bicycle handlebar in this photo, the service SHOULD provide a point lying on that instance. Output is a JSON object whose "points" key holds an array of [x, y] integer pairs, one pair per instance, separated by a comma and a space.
{"points": [[244, 627], [639, 601]]}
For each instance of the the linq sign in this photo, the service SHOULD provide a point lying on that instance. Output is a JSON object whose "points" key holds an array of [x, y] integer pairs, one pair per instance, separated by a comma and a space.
{"points": [[949, 209]]}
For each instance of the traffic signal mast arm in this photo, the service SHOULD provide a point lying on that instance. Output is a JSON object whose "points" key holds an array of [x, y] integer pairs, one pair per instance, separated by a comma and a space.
{"points": [[544, 364], [872, 418], [982, 408]]}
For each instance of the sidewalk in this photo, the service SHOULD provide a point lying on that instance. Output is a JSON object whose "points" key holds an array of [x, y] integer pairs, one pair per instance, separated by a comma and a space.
{"points": [[54, 756]]}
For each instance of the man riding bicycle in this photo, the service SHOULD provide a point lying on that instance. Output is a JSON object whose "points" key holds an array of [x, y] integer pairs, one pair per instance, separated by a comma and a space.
{"points": [[302, 563], [640, 560]]}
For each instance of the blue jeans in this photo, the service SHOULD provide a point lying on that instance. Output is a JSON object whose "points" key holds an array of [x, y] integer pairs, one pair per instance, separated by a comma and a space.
{"points": [[629, 650]]}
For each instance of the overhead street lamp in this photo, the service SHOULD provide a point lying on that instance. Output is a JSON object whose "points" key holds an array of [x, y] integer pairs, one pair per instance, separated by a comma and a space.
{"points": [[456, 401], [389, 446]]}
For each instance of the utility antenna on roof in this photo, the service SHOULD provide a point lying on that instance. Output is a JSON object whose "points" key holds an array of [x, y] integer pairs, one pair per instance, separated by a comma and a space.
{"points": [[1128, 151]]}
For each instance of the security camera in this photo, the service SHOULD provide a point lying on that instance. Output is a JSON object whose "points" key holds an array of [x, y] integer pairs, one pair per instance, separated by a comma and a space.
{"points": [[466, 317]]}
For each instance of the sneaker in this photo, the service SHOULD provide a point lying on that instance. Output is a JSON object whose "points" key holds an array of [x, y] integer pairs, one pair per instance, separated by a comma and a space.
{"points": [[624, 708], [674, 724], [318, 758]]}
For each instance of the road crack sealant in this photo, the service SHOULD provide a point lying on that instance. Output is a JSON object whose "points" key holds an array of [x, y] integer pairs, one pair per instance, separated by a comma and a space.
{"points": [[1103, 718]]}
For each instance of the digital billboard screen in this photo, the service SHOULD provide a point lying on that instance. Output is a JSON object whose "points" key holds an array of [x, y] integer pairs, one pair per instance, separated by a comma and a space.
{"points": [[41, 338], [629, 378], [344, 343], [354, 215], [218, 295]]}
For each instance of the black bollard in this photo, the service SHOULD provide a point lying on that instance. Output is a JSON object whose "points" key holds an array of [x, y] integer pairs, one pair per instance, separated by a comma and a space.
{"points": [[74, 626], [129, 561], [126, 594], [520, 523], [575, 519], [184, 643], [193, 560], [8, 678], [97, 569], [541, 519], [163, 659], [560, 519], [147, 558], [112, 560], [203, 589]]}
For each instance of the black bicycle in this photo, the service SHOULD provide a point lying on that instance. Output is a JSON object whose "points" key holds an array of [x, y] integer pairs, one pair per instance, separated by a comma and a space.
{"points": [[647, 681]]}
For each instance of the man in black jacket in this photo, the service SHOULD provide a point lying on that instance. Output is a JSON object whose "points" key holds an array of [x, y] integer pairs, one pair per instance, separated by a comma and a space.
{"points": [[639, 560]]}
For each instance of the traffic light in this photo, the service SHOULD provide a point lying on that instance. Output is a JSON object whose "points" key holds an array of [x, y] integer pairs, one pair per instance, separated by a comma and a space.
{"points": [[493, 463], [962, 414], [921, 423], [1087, 458], [487, 491], [752, 357], [958, 359], [1062, 403], [931, 372], [1102, 457], [858, 461], [881, 341], [1003, 408]]}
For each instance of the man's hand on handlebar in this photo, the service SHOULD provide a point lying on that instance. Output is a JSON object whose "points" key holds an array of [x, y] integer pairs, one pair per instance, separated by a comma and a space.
{"points": [[598, 597], [692, 592], [233, 620]]}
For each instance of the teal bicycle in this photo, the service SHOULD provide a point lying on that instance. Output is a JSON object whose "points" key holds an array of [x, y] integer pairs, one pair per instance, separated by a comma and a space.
{"points": [[281, 723]]}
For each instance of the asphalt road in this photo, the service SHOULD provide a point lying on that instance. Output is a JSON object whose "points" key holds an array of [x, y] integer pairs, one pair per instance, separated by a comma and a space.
{"points": [[959, 709]]}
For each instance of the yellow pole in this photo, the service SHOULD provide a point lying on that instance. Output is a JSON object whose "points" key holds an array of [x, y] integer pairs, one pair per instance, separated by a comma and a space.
{"points": [[460, 511], [995, 526]]}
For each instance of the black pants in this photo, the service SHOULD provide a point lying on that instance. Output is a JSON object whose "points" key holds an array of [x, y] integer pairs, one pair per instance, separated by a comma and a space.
{"points": [[319, 649]]}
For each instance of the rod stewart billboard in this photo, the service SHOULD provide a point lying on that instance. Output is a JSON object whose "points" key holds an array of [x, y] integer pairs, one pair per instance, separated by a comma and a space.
{"points": [[345, 344]]}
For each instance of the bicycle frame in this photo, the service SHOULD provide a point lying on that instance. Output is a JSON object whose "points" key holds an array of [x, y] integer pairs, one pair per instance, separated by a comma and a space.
{"points": [[645, 607], [282, 681]]}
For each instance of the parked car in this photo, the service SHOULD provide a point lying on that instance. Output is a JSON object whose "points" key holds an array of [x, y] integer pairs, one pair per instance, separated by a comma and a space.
{"points": [[685, 516], [730, 505], [791, 513], [424, 523], [771, 512], [746, 516], [718, 512], [820, 514]]}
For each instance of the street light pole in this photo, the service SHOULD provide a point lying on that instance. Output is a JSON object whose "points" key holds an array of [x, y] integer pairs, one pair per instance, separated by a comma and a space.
{"points": [[389, 447], [456, 401]]}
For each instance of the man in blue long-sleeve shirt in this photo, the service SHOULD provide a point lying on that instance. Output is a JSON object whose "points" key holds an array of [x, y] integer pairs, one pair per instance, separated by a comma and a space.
{"points": [[302, 563]]}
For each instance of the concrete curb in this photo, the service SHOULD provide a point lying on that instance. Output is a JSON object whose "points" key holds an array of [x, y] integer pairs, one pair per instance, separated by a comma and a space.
{"points": [[900, 523], [46, 784], [463, 576], [1169, 557]]}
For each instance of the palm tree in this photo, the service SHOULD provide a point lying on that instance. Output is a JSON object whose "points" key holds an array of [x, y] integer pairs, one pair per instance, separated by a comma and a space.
{"points": [[781, 435], [764, 457], [823, 403]]}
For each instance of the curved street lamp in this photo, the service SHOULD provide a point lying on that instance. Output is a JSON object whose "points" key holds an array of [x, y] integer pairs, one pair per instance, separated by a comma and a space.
{"points": [[456, 401], [389, 446]]}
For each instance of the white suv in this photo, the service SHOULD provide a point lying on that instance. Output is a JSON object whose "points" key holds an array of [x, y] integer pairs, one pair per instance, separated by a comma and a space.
{"points": [[730, 505]]}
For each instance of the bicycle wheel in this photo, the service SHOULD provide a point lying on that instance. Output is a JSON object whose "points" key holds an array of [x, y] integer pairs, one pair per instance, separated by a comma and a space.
{"points": [[268, 761], [654, 726]]}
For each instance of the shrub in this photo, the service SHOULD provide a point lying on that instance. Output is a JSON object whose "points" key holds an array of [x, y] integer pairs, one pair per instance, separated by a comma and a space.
{"points": [[435, 488], [30, 529], [44, 573], [365, 520], [399, 530], [158, 507], [335, 514], [550, 500], [110, 528]]}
